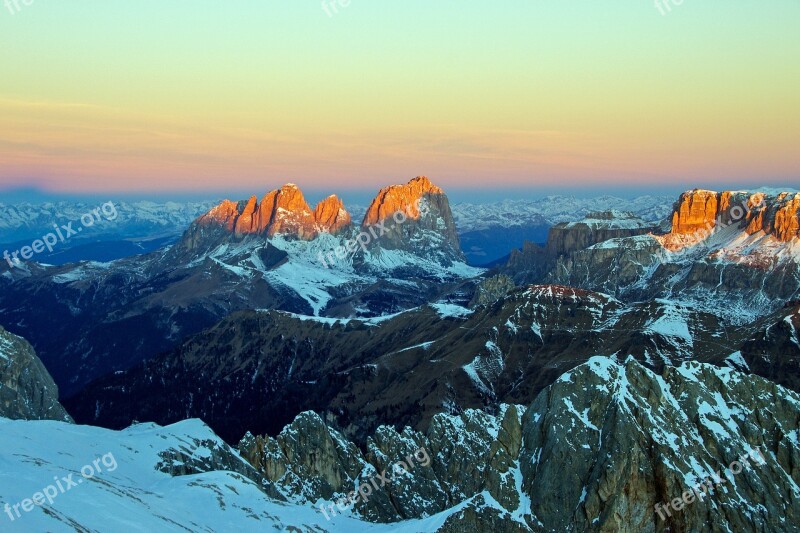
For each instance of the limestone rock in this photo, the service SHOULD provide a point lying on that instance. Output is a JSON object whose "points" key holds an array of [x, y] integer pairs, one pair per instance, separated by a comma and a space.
{"points": [[414, 217], [491, 289], [27, 392], [570, 237], [596, 451], [700, 210], [280, 212], [331, 215]]}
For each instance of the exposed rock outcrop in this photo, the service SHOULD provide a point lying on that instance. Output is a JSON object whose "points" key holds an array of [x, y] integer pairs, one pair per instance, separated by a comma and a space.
{"points": [[414, 217], [607, 447], [27, 391], [737, 247], [533, 263], [331, 214], [570, 237], [492, 289], [774, 352], [701, 210], [281, 212]]}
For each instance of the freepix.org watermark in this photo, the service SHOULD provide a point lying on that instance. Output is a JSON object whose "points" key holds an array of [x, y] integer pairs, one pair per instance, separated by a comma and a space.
{"points": [[665, 6], [15, 6], [62, 485], [399, 469], [107, 212], [419, 209], [736, 213], [710, 483], [331, 7]]}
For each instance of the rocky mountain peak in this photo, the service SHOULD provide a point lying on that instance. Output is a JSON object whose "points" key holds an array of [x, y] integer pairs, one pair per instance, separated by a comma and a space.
{"points": [[415, 217], [330, 213], [282, 211], [224, 214], [286, 212], [701, 210], [404, 198]]}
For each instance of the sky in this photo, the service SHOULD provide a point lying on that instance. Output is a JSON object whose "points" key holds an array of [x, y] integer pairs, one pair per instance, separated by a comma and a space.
{"points": [[157, 97]]}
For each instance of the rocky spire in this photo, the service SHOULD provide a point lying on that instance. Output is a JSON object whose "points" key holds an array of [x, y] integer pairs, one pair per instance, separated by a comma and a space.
{"points": [[776, 215], [331, 214], [283, 211], [414, 217]]}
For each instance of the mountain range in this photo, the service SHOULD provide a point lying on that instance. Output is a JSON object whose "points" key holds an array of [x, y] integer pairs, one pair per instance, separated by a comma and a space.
{"points": [[587, 383]]}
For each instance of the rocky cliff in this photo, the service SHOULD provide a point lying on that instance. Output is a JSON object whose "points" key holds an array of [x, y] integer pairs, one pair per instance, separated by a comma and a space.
{"points": [[27, 391], [569, 237], [774, 351], [533, 263], [280, 212], [414, 217], [330, 213], [736, 247], [607, 447], [774, 214]]}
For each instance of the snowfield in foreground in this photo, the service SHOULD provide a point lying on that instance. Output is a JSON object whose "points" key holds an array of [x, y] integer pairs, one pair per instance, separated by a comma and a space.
{"points": [[137, 495]]}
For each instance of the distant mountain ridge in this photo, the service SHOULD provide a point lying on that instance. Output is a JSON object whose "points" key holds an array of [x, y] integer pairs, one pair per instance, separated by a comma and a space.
{"points": [[26, 221], [742, 248]]}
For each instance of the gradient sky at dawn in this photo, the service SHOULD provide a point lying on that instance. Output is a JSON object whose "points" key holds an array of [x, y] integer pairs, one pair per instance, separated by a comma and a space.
{"points": [[145, 95]]}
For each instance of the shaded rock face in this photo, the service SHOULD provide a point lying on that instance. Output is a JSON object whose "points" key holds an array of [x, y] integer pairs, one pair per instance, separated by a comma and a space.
{"points": [[777, 215], [281, 212], [414, 217], [533, 264], [27, 392], [199, 455], [596, 451], [528, 265], [636, 269], [310, 461], [640, 439], [774, 352], [569, 237], [492, 289]]}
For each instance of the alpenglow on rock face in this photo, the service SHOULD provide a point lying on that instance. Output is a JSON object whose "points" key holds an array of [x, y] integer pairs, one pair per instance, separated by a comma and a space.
{"points": [[428, 227], [281, 212], [777, 215], [27, 391]]}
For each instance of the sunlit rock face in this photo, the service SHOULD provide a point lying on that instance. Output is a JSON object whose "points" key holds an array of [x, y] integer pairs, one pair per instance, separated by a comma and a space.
{"points": [[775, 215], [415, 217]]}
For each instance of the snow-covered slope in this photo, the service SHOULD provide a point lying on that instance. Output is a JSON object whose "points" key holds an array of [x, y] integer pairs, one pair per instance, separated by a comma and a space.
{"points": [[134, 219], [599, 450], [138, 480], [552, 210]]}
